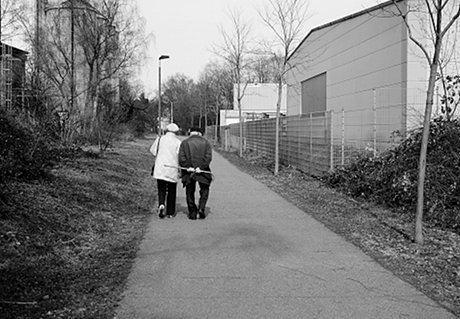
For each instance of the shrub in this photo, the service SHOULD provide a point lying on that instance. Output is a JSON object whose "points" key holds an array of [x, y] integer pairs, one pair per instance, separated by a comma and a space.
{"points": [[27, 153], [23, 154], [391, 178]]}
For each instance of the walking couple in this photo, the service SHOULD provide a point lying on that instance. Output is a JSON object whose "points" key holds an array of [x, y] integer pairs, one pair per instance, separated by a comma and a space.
{"points": [[189, 161]]}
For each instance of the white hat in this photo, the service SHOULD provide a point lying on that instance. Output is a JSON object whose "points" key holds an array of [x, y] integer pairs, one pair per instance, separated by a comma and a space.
{"points": [[172, 128]]}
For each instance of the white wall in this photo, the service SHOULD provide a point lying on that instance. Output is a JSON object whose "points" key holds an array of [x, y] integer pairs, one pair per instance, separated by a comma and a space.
{"points": [[370, 61], [259, 98], [365, 58], [228, 117]]}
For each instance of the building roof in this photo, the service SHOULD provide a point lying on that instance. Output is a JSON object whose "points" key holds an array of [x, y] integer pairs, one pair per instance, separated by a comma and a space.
{"points": [[349, 17], [17, 53]]}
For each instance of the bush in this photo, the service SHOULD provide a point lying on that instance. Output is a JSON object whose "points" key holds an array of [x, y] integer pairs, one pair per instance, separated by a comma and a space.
{"points": [[137, 126], [27, 153], [391, 178], [22, 153]]}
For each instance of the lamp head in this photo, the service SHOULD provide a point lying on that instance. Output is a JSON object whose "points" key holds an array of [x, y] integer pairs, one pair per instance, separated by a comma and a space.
{"points": [[162, 57]]}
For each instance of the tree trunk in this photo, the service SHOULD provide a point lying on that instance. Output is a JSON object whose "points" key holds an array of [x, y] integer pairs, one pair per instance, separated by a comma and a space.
{"points": [[423, 155], [424, 147], [205, 116], [277, 128], [90, 116], [217, 135], [240, 117]]}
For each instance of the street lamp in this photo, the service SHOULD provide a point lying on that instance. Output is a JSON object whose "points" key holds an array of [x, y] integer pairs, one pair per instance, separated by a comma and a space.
{"points": [[162, 57]]}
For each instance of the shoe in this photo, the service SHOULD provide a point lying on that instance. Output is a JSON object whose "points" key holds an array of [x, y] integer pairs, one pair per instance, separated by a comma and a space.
{"points": [[161, 211], [192, 216], [170, 216], [201, 214]]}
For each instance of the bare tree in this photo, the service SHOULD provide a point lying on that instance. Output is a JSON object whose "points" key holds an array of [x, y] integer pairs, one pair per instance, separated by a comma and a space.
{"points": [[234, 50], [262, 69], [203, 93], [11, 17], [112, 41], [217, 86], [54, 62], [440, 16], [82, 46], [285, 18], [180, 89]]}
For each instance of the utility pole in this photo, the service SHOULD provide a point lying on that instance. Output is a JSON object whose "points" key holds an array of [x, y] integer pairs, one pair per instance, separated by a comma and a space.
{"points": [[162, 57]]}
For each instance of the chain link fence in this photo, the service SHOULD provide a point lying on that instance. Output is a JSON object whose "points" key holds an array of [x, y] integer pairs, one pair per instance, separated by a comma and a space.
{"points": [[317, 142], [322, 141]]}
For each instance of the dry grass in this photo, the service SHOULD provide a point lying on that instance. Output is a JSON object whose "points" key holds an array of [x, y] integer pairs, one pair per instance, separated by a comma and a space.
{"points": [[67, 243]]}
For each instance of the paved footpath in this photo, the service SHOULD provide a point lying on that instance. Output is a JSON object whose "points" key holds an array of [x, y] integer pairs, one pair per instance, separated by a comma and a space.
{"points": [[258, 256]]}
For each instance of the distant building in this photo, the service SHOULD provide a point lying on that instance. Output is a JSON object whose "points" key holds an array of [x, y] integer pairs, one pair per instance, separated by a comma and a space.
{"points": [[258, 102], [12, 75], [93, 35]]}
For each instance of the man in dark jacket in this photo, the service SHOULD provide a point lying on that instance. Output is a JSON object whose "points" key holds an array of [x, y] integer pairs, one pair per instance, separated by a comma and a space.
{"points": [[195, 153]]}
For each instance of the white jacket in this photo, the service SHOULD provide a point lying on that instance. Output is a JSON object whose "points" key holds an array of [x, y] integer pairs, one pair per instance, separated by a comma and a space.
{"points": [[168, 152]]}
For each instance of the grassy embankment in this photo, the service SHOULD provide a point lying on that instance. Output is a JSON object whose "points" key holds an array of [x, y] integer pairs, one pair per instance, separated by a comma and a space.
{"points": [[68, 241]]}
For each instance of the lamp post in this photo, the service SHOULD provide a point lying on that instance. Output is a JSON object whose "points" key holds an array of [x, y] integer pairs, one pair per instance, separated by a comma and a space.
{"points": [[162, 57]]}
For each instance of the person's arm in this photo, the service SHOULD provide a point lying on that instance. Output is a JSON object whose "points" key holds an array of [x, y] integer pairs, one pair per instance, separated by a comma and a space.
{"points": [[154, 147], [183, 158], [154, 150], [207, 155], [178, 148]]}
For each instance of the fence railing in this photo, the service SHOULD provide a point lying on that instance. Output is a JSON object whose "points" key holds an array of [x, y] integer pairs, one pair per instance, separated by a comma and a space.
{"points": [[316, 142]]}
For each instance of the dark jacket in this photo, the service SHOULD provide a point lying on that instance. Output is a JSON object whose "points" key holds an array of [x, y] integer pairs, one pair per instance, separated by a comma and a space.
{"points": [[195, 151]]}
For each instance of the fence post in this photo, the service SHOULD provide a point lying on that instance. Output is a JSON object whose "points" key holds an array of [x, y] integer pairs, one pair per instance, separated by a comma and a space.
{"points": [[299, 143], [374, 109], [331, 130], [343, 137], [311, 141], [243, 138]]}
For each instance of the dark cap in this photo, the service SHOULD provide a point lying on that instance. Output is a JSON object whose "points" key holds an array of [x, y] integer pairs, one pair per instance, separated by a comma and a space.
{"points": [[196, 129]]}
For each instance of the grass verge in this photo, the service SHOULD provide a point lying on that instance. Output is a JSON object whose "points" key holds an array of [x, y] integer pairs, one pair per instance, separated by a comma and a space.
{"points": [[67, 243]]}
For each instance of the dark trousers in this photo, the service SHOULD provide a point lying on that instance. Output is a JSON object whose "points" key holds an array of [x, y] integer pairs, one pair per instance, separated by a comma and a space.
{"points": [[190, 189], [167, 191]]}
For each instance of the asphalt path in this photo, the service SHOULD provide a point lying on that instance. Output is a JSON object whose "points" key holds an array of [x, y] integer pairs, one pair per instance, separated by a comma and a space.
{"points": [[258, 256]]}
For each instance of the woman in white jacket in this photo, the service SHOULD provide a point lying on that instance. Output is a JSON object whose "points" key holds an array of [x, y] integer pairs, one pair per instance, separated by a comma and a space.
{"points": [[166, 150]]}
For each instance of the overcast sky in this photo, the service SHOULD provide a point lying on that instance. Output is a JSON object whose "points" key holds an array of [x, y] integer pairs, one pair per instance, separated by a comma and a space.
{"points": [[187, 30]]}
